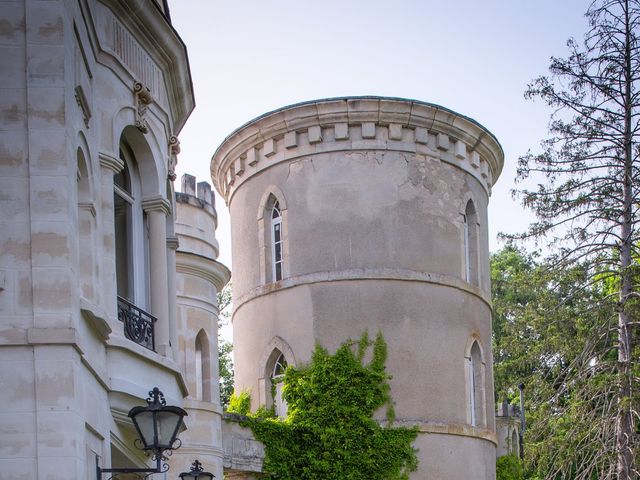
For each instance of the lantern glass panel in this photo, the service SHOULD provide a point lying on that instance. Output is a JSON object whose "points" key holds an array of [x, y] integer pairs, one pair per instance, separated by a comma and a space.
{"points": [[145, 422], [167, 426]]}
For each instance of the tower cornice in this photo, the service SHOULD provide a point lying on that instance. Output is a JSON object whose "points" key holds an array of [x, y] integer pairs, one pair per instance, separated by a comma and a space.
{"points": [[356, 123]]}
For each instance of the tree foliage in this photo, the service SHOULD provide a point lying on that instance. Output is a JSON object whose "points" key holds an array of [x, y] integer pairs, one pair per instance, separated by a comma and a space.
{"points": [[225, 348], [550, 337], [330, 431], [587, 199]]}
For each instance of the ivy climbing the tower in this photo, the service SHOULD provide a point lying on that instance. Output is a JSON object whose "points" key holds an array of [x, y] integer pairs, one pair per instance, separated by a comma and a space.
{"points": [[330, 432]]}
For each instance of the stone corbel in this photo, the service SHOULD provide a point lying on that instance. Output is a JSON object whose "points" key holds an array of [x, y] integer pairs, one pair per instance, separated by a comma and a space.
{"points": [[174, 150], [143, 100]]}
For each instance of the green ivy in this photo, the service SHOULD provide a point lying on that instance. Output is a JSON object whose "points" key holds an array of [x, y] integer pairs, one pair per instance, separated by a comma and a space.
{"points": [[509, 467], [240, 404], [330, 432]]}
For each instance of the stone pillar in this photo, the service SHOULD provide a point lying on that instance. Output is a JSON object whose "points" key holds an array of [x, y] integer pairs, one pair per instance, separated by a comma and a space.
{"points": [[172, 246], [157, 210]]}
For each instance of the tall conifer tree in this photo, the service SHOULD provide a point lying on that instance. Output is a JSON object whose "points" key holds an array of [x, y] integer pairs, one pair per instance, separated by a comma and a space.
{"points": [[587, 204]]}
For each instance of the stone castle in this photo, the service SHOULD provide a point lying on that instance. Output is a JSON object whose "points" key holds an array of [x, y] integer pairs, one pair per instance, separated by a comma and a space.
{"points": [[347, 214]]}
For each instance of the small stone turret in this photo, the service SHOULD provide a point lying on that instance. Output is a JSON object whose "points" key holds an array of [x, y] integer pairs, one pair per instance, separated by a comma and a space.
{"points": [[199, 277]]}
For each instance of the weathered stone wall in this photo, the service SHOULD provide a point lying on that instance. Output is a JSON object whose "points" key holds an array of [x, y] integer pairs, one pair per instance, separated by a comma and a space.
{"points": [[373, 194]]}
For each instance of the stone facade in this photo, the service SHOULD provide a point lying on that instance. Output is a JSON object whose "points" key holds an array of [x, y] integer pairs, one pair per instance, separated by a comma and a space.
{"points": [[370, 213], [91, 104]]}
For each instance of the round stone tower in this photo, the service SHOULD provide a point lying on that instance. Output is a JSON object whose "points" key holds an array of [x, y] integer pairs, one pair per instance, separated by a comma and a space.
{"points": [[369, 213]]}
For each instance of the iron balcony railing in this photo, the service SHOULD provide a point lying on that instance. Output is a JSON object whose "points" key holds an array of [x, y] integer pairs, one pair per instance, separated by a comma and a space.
{"points": [[138, 324]]}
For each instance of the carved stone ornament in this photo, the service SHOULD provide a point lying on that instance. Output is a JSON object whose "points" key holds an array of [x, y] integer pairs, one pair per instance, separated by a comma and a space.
{"points": [[174, 150], [143, 100]]}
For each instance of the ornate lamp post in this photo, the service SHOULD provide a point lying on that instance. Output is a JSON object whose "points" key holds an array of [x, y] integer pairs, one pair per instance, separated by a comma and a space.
{"points": [[196, 473], [158, 426]]}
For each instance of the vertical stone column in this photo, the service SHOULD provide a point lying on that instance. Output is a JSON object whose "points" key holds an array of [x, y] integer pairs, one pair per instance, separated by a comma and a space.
{"points": [[172, 246], [157, 210]]}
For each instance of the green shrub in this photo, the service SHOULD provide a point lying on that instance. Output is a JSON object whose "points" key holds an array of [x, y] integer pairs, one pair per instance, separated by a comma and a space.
{"points": [[509, 467]]}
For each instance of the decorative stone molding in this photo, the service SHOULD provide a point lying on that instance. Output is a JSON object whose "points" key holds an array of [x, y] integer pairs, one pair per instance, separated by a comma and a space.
{"points": [[356, 123], [174, 150], [173, 243], [156, 204], [210, 270], [143, 100], [88, 207], [112, 163]]}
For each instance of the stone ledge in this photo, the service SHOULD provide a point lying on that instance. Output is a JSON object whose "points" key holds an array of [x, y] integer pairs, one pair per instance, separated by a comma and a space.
{"points": [[458, 429], [357, 274]]}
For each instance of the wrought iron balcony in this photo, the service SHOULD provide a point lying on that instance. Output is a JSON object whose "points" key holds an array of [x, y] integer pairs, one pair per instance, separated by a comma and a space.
{"points": [[138, 324]]}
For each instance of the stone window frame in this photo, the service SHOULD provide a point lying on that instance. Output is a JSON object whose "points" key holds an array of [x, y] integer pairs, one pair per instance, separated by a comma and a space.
{"points": [[272, 196], [275, 349]]}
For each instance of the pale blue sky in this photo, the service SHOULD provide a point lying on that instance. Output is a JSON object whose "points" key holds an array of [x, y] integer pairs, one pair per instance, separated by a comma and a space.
{"points": [[474, 57]]}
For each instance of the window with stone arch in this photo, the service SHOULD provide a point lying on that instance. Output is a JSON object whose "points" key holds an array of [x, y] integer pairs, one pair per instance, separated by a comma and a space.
{"points": [[131, 230], [277, 377], [272, 224], [475, 385], [470, 243]]}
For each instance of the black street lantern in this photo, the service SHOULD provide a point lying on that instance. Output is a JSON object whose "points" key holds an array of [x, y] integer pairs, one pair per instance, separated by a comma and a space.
{"points": [[158, 426], [196, 473]]}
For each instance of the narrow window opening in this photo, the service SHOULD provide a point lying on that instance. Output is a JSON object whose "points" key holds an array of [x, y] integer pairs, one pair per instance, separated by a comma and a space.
{"points": [[277, 377], [470, 241], [475, 385], [276, 242], [199, 370]]}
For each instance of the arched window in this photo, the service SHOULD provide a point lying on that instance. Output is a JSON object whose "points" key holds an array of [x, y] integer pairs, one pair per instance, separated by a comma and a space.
{"points": [[277, 377], [131, 233], [276, 242], [470, 240], [476, 386]]}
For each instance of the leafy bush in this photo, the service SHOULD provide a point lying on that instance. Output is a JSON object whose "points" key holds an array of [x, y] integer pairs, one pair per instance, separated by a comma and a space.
{"points": [[509, 467]]}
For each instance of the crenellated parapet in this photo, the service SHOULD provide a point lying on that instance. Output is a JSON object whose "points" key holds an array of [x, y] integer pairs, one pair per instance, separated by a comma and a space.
{"points": [[352, 124]]}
